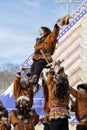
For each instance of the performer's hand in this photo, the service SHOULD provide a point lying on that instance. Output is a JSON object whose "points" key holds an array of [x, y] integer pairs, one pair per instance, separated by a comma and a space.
{"points": [[20, 68], [51, 71], [24, 68]]}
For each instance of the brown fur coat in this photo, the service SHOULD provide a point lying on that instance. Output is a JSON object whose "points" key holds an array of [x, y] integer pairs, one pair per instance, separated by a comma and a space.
{"points": [[19, 91], [4, 121], [19, 124], [47, 44], [51, 102], [80, 105]]}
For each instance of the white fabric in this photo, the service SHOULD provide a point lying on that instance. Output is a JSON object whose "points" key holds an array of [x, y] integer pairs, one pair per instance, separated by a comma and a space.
{"points": [[39, 126]]}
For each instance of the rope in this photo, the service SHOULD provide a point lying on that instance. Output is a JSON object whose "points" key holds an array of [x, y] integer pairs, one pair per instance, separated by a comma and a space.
{"points": [[21, 51]]}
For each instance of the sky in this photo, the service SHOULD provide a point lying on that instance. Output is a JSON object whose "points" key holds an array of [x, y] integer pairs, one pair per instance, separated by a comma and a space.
{"points": [[20, 21]]}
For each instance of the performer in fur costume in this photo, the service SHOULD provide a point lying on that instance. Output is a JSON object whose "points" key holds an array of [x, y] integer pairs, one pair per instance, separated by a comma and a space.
{"points": [[44, 49], [56, 93], [4, 120], [46, 44], [22, 87], [24, 118], [80, 107]]}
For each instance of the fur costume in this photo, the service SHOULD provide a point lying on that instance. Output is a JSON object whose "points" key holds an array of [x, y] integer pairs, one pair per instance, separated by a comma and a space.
{"points": [[44, 49], [4, 121], [19, 91], [20, 124], [80, 104], [62, 87], [47, 44], [55, 106], [56, 93], [24, 117]]}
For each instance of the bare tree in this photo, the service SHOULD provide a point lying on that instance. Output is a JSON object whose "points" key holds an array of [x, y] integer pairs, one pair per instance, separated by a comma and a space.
{"points": [[7, 75]]}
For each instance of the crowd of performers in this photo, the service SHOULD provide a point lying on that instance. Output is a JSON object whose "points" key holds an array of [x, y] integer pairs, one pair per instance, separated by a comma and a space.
{"points": [[56, 89]]}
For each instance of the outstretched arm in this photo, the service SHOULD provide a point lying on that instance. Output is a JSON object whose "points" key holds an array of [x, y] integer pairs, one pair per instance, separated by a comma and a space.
{"points": [[50, 41], [17, 85], [54, 34], [77, 94], [50, 77], [46, 97]]}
